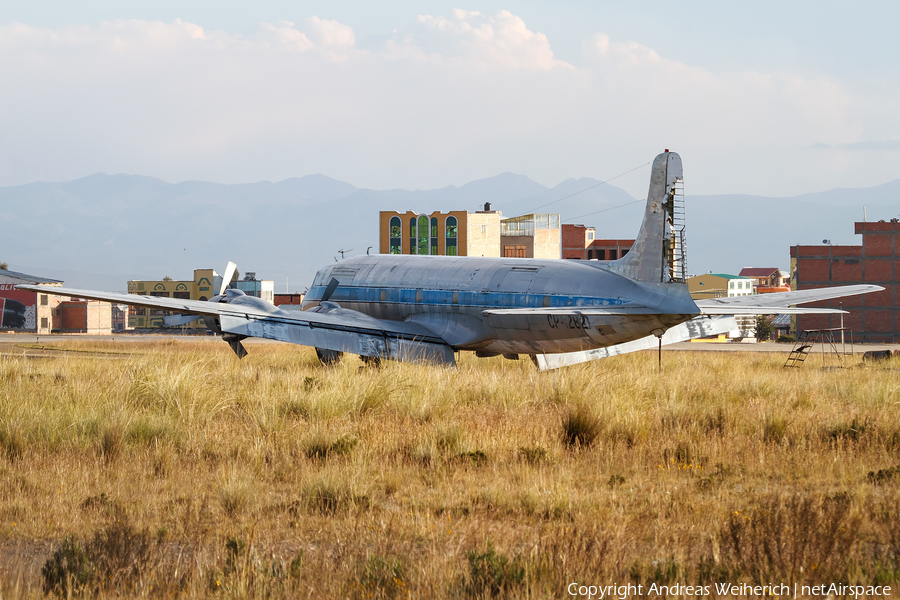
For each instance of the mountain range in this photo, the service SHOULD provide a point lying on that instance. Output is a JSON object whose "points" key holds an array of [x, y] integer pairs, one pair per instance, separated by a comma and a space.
{"points": [[102, 230]]}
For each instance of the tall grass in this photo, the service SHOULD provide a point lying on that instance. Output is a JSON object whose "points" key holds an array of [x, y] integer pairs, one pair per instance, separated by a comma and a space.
{"points": [[174, 469]]}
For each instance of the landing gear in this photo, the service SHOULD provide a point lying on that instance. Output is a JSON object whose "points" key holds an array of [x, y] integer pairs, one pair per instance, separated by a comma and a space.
{"points": [[329, 357], [371, 361]]}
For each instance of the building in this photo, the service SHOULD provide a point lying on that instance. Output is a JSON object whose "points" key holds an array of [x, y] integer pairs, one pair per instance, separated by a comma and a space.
{"points": [[22, 310], [537, 235], [872, 317], [580, 243], [252, 286], [461, 233], [83, 316], [281, 299], [205, 285], [455, 233], [719, 285], [608, 249], [40, 313], [767, 279]]}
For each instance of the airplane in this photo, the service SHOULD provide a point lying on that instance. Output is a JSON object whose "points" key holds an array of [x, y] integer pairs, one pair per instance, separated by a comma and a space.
{"points": [[427, 308]]}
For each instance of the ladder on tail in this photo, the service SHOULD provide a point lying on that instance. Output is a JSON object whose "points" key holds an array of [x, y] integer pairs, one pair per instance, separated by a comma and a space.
{"points": [[676, 248]]}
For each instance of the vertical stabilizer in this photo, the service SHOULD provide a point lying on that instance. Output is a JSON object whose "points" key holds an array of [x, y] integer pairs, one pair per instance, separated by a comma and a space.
{"points": [[658, 253]]}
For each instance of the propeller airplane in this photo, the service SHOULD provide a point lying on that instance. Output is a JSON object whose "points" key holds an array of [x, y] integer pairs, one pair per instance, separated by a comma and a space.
{"points": [[427, 308]]}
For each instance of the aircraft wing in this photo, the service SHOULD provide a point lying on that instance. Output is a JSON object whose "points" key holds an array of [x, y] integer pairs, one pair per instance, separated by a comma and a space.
{"points": [[337, 329], [780, 302], [197, 307]]}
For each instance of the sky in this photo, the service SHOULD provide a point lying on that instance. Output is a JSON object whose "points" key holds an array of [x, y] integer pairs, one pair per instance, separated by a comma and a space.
{"points": [[767, 98]]}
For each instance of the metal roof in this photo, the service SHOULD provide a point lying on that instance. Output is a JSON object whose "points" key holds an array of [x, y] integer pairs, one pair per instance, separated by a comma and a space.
{"points": [[758, 271], [27, 278], [781, 320]]}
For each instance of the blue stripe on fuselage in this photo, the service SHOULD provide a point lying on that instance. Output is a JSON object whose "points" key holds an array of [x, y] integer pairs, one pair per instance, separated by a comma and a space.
{"points": [[465, 298]]}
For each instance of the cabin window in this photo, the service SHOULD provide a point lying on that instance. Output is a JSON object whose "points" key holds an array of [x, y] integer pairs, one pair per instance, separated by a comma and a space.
{"points": [[546, 301], [450, 233], [455, 298], [423, 235], [434, 235], [418, 295], [383, 295], [396, 227]]}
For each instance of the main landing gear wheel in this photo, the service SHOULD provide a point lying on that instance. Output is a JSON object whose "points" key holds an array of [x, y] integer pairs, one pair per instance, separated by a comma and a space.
{"points": [[371, 361], [329, 357]]}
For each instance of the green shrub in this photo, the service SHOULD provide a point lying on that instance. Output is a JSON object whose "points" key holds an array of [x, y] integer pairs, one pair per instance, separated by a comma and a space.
{"points": [[492, 574]]}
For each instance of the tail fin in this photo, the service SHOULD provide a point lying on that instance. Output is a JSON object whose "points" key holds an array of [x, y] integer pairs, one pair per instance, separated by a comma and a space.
{"points": [[658, 253]]}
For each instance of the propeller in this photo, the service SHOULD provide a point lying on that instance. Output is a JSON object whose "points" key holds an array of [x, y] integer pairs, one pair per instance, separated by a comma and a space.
{"points": [[233, 340], [226, 278]]}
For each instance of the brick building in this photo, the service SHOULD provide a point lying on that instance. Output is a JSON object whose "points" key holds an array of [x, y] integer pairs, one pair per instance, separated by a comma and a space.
{"points": [[872, 317], [579, 243]]}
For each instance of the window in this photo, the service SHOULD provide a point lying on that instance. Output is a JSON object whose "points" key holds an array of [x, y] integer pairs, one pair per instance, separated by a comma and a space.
{"points": [[423, 235], [434, 235], [450, 236], [601, 254], [613, 254], [514, 252], [484, 229], [43, 299], [590, 235], [160, 294], [396, 236], [412, 235], [730, 285], [43, 322], [182, 295]]}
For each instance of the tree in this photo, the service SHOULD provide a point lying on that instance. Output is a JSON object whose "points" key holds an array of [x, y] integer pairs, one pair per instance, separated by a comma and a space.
{"points": [[4, 266], [764, 328]]}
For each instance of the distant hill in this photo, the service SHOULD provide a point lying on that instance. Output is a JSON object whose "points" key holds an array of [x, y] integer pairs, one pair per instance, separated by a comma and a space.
{"points": [[99, 231]]}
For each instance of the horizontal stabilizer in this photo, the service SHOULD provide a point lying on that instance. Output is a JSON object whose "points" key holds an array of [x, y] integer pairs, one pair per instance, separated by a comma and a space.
{"points": [[785, 299], [766, 310], [695, 328]]}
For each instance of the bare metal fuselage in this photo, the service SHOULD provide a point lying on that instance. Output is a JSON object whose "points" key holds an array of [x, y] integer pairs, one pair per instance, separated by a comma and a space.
{"points": [[447, 296]]}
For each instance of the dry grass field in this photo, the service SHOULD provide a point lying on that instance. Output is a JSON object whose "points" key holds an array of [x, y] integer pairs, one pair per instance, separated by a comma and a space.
{"points": [[171, 469]]}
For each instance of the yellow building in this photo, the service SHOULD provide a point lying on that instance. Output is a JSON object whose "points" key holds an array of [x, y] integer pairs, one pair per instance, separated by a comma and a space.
{"points": [[455, 233], [205, 285], [461, 233]]}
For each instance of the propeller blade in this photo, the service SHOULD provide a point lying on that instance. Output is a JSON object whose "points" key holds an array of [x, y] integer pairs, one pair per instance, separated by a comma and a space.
{"points": [[332, 285], [176, 320], [226, 278]]}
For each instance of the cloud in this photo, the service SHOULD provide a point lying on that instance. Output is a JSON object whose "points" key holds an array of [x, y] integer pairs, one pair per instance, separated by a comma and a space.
{"points": [[446, 99], [498, 40]]}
